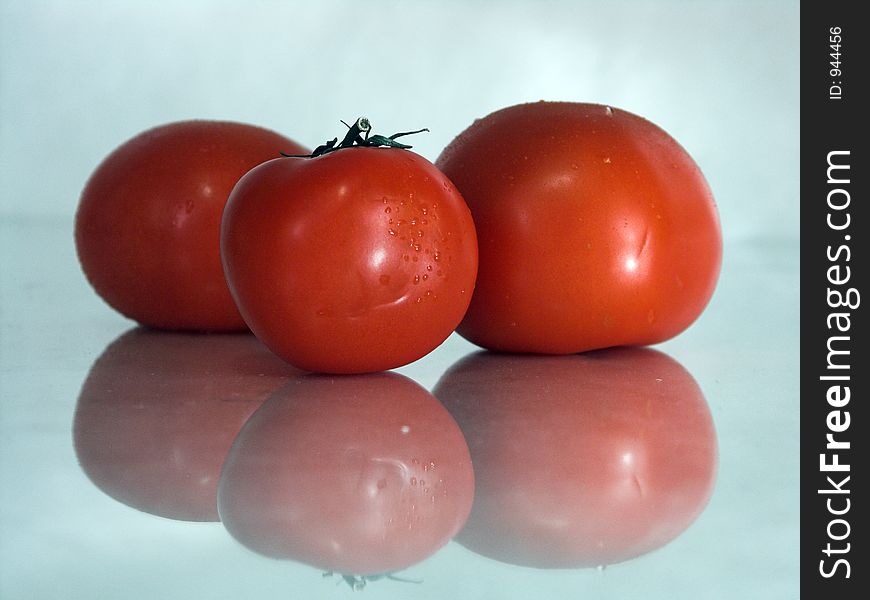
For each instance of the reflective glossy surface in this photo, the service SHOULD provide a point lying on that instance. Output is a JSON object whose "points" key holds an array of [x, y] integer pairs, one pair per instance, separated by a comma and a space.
{"points": [[103, 426], [361, 475], [158, 412], [582, 460]]}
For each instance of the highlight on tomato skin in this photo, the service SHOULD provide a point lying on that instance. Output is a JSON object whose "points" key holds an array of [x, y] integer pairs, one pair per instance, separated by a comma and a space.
{"points": [[147, 227], [159, 411], [584, 460], [356, 475], [596, 228]]}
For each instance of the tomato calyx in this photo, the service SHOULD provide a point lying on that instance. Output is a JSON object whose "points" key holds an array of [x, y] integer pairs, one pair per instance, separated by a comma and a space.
{"points": [[359, 582], [358, 135]]}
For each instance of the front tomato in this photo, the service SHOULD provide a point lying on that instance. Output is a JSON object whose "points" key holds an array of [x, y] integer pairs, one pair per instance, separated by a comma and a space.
{"points": [[359, 260], [596, 229]]}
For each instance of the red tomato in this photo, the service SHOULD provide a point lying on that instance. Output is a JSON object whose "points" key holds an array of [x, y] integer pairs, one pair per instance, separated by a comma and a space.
{"points": [[159, 412], [148, 224], [360, 260], [358, 475], [580, 460], [596, 229]]}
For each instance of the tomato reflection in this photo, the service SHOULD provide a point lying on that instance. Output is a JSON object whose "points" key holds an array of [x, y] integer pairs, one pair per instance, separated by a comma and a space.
{"points": [[581, 460], [359, 475], [158, 413]]}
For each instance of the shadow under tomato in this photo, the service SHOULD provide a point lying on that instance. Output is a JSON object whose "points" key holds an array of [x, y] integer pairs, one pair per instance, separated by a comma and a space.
{"points": [[358, 475], [158, 413], [581, 460]]}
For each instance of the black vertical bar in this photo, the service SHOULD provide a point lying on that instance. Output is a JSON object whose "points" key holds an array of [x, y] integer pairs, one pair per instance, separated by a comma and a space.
{"points": [[834, 370]]}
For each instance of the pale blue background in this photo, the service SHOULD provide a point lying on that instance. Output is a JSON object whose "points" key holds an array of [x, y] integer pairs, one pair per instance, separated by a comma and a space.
{"points": [[79, 77]]}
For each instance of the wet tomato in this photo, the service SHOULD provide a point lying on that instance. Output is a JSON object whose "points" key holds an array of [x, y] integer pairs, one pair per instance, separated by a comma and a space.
{"points": [[358, 475], [148, 223], [159, 411], [360, 260], [580, 460], [595, 227]]}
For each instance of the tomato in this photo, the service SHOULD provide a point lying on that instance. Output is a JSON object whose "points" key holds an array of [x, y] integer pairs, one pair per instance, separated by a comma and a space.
{"points": [[358, 475], [581, 460], [148, 223], [159, 411], [596, 229], [359, 260]]}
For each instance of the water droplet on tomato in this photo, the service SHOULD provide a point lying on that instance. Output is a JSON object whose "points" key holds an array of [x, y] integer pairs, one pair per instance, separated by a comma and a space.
{"points": [[384, 279]]}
